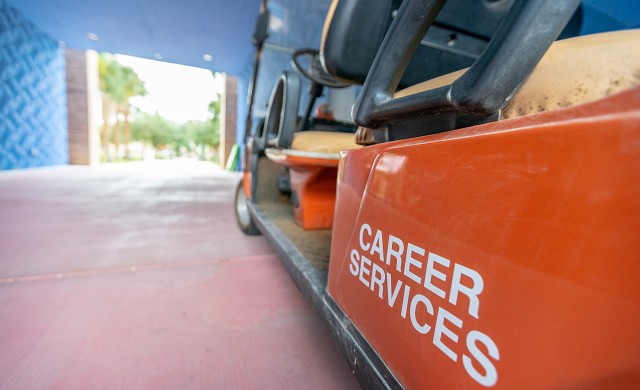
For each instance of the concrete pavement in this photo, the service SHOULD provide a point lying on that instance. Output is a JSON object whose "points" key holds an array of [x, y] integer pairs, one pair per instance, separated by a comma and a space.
{"points": [[136, 276]]}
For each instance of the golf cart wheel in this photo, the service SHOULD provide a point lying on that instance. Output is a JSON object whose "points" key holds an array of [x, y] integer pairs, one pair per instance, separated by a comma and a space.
{"points": [[245, 222]]}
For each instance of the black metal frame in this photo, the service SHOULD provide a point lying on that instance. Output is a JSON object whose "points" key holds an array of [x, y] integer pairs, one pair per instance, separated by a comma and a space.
{"points": [[260, 35], [319, 78], [315, 91], [524, 36]]}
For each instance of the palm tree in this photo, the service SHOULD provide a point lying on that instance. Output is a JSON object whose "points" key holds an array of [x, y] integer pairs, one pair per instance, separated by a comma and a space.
{"points": [[109, 85], [118, 84], [132, 86]]}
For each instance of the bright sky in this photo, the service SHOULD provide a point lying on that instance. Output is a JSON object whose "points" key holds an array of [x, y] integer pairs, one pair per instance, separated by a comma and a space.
{"points": [[178, 93]]}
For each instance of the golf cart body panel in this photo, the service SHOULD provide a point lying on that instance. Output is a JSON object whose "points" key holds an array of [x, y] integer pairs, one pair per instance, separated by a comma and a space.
{"points": [[503, 254]]}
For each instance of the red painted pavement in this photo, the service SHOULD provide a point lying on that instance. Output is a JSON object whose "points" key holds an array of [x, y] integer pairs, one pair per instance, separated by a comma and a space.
{"points": [[135, 276]]}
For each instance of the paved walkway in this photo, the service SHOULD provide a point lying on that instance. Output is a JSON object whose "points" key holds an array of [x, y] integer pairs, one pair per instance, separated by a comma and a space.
{"points": [[135, 275]]}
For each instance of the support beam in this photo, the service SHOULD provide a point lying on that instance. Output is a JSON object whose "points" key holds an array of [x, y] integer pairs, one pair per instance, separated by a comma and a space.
{"points": [[82, 91], [228, 117]]}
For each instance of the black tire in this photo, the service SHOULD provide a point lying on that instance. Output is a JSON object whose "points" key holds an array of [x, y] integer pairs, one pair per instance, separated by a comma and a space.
{"points": [[243, 216]]}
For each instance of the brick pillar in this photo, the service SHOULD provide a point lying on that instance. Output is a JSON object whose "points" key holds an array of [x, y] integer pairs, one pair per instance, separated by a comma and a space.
{"points": [[228, 116], [82, 93]]}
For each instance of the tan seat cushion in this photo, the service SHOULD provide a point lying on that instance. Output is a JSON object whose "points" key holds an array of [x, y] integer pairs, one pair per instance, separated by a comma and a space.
{"points": [[323, 141], [573, 71]]}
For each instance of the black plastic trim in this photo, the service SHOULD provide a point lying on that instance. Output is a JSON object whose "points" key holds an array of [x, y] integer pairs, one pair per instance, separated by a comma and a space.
{"points": [[524, 36], [282, 113]]}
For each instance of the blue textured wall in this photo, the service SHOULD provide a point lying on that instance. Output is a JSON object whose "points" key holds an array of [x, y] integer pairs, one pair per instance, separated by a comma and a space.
{"points": [[33, 100]]}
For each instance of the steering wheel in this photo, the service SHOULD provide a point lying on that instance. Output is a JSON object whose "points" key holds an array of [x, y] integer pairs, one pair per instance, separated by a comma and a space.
{"points": [[315, 71]]}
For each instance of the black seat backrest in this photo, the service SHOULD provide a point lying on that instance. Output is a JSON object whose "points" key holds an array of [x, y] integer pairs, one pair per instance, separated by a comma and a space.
{"points": [[282, 112], [354, 30]]}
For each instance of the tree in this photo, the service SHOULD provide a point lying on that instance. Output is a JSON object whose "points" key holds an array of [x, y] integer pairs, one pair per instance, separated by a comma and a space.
{"points": [[108, 72], [211, 137], [132, 86], [154, 130], [202, 137], [214, 109], [203, 134], [118, 84]]}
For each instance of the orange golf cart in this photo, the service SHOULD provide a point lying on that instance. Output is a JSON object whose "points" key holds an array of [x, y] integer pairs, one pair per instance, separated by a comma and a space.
{"points": [[478, 223]]}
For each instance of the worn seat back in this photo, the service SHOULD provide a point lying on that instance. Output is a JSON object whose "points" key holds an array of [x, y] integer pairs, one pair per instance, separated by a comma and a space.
{"points": [[355, 29], [573, 71]]}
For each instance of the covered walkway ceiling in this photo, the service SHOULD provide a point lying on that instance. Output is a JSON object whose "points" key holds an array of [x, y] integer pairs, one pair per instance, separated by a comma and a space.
{"points": [[213, 34]]}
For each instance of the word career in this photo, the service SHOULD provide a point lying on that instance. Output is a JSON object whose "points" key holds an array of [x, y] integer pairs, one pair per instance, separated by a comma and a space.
{"points": [[380, 252]]}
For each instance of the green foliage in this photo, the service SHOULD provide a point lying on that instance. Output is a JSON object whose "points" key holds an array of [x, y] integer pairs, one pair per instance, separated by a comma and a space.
{"points": [[154, 130], [214, 109], [192, 136], [203, 133], [118, 82]]}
